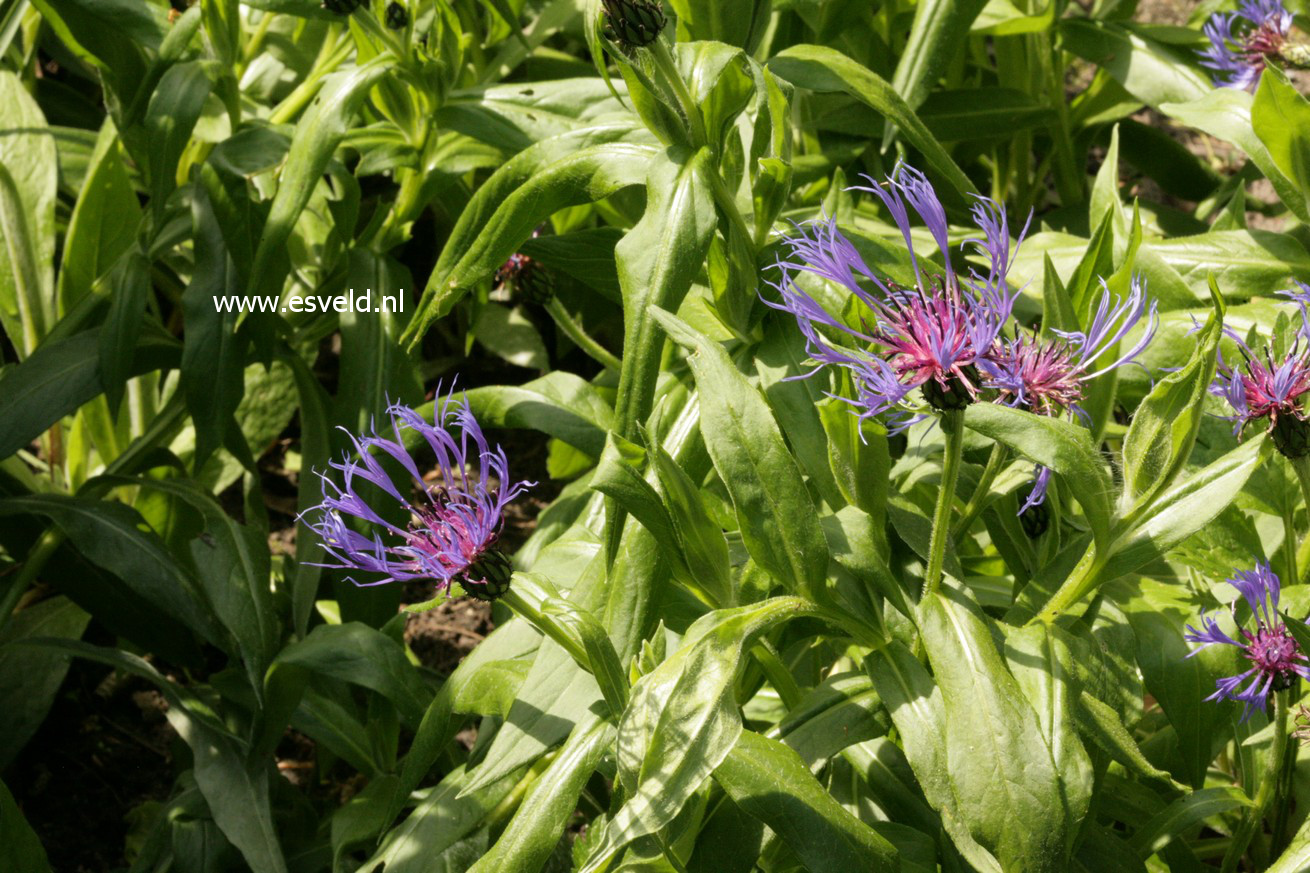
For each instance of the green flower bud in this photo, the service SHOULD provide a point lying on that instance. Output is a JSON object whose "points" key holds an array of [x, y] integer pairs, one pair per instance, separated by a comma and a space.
{"points": [[488, 577], [633, 23], [1291, 436], [397, 17]]}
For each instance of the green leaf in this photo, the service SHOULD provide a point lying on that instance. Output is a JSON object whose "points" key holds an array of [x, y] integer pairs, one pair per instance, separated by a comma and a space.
{"points": [[683, 721], [578, 167], [700, 536], [1008, 788], [1151, 71], [772, 783], [174, 109], [27, 217], [30, 677], [20, 848], [842, 710], [1181, 815], [129, 287], [826, 70], [977, 113], [314, 446], [508, 334], [359, 654], [1226, 113], [317, 135], [774, 510], [736, 22], [558, 404], [110, 536], [658, 260], [1064, 447], [1297, 855], [548, 807], [1165, 424], [104, 221], [1279, 116], [60, 377], [1101, 724], [936, 38]]}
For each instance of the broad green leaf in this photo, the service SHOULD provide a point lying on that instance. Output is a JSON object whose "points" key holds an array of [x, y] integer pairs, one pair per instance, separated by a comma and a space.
{"points": [[103, 223], [767, 491], [1181, 815], [936, 37], [682, 721], [1101, 724], [109, 535], [27, 217], [823, 69], [700, 536], [174, 108], [1279, 116], [547, 808], [976, 113], [514, 116], [317, 135], [1007, 787], [30, 677], [1165, 424], [1297, 855], [841, 711], [580, 167], [1151, 71], [1064, 447], [736, 22], [914, 702], [657, 261], [771, 782], [359, 654], [558, 404], [1159, 614]]}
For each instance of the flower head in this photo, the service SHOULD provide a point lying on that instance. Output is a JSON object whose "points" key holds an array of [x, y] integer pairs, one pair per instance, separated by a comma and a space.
{"points": [[929, 336], [1268, 388], [1048, 377], [1275, 658], [453, 527], [526, 276], [1241, 41]]}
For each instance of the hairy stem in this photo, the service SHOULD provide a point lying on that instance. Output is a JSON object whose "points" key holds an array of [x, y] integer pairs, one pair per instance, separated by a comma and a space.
{"points": [[952, 421]]}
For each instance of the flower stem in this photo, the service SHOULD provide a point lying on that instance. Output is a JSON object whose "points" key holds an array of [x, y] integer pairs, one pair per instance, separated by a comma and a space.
{"points": [[978, 500], [952, 424], [37, 558], [574, 331], [1290, 546], [1269, 786], [659, 52]]}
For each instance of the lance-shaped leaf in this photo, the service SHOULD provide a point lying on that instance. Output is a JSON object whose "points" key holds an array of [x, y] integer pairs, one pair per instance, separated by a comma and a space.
{"points": [[658, 260], [823, 69], [771, 782], [778, 521], [1007, 787], [1063, 446], [683, 721], [578, 167], [1164, 427]]}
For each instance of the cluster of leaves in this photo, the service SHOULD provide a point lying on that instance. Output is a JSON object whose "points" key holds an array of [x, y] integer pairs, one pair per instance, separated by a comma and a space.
{"points": [[723, 660]]}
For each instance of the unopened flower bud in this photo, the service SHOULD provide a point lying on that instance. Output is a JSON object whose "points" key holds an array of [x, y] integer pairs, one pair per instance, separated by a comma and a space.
{"points": [[397, 17], [955, 394], [633, 23]]}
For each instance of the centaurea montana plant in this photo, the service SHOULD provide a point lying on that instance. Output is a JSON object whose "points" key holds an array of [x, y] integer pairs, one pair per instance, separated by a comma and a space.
{"points": [[931, 336], [1265, 388], [453, 527], [1242, 42], [1276, 659]]}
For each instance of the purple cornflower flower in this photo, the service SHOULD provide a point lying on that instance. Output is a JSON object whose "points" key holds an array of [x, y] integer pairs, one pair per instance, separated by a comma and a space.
{"points": [[1048, 377], [453, 527], [929, 336], [1241, 41], [1275, 658], [1269, 389]]}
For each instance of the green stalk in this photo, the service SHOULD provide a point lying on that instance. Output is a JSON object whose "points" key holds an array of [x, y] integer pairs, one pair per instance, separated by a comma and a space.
{"points": [[547, 625], [952, 424], [37, 558], [1269, 787], [664, 62], [978, 500], [1290, 545], [580, 338]]}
